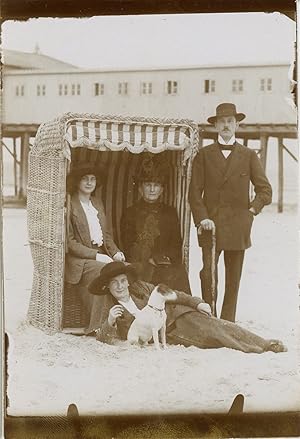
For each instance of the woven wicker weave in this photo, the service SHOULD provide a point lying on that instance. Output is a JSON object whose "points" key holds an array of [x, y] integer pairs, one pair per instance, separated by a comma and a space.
{"points": [[49, 160]]}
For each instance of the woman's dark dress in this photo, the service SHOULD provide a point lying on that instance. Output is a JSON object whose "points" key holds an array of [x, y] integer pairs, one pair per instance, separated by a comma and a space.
{"points": [[152, 230]]}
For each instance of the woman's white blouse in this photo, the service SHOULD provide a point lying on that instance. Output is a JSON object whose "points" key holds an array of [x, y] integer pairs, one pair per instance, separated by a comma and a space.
{"points": [[130, 306], [93, 222]]}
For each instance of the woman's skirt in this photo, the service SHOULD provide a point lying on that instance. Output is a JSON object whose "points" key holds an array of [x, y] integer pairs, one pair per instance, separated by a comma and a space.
{"points": [[196, 329], [91, 303]]}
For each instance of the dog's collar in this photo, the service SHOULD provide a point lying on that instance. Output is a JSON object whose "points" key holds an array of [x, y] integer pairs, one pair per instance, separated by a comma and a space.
{"points": [[156, 309]]}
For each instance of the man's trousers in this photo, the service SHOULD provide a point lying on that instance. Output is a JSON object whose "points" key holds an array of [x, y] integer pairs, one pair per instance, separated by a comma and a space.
{"points": [[233, 260]]}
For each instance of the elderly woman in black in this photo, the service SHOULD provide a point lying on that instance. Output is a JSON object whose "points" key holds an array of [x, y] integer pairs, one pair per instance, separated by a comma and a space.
{"points": [[90, 244], [150, 229], [189, 320]]}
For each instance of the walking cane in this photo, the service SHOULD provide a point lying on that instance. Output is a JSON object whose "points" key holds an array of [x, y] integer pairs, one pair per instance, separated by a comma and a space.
{"points": [[213, 272]]}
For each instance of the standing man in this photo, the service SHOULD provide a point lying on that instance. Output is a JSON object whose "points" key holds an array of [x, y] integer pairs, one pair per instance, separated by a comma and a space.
{"points": [[219, 199]]}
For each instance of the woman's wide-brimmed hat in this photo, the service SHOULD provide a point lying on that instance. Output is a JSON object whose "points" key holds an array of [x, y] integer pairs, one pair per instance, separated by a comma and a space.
{"points": [[79, 171], [153, 168], [224, 110], [99, 285]]}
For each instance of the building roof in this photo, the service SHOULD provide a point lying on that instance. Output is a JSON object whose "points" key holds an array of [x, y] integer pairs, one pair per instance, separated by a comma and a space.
{"points": [[14, 59], [144, 69]]}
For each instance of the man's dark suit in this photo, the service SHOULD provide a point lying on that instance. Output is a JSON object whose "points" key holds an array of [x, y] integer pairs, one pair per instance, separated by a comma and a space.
{"points": [[219, 190]]}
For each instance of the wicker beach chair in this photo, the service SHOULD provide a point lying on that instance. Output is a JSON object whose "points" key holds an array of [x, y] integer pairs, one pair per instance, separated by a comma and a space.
{"points": [[119, 143]]}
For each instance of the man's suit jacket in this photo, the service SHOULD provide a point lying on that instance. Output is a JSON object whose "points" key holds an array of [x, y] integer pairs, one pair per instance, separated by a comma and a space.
{"points": [[140, 292], [219, 190], [79, 240]]}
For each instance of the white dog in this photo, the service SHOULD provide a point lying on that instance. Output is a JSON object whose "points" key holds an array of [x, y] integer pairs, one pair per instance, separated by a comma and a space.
{"points": [[151, 320]]}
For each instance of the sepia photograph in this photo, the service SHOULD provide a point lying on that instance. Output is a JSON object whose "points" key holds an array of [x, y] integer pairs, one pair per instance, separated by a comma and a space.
{"points": [[150, 233]]}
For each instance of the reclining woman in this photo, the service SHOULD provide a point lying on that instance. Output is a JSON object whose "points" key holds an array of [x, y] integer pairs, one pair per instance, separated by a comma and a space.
{"points": [[189, 320], [89, 242], [150, 229]]}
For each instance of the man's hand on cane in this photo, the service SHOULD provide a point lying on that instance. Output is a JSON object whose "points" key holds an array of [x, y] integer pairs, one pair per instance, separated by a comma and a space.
{"points": [[206, 224]]}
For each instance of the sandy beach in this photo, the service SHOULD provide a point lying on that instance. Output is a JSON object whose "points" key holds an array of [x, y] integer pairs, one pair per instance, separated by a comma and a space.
{"points": [[47, 373]]}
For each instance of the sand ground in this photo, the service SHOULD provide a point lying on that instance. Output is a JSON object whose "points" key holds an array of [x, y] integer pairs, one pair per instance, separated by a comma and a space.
{"points": [[47, 373]]}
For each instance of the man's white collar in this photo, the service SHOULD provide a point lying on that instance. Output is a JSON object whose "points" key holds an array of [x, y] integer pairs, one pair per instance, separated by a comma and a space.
{"points": [[222, 141]]}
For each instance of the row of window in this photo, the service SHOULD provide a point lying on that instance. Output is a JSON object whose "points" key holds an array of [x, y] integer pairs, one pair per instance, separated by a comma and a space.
{"points": [[265, 85], [74, 89], [67, 89], [171, 88]]}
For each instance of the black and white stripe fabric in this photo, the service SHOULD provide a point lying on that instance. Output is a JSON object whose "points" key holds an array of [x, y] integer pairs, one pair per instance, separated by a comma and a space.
{"points": [[135, 137]]}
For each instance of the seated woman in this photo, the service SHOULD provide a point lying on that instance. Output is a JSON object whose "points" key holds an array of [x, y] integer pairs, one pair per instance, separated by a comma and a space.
{"points": [[189, 320], [150, 230], [89, 242]]}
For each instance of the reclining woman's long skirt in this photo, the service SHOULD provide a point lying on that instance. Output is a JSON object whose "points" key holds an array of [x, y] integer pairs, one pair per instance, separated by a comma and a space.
{"points": [[196, 329]]}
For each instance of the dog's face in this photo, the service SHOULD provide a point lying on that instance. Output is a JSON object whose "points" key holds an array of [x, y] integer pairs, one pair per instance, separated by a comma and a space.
{"points": [[168, 294]]}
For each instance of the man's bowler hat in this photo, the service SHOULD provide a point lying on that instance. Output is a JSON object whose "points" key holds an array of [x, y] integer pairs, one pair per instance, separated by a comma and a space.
{"points": [[224, 110]]}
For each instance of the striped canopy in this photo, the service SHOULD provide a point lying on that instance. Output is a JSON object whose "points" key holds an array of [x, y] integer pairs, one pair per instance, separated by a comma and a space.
{"points": [[136, 136]]}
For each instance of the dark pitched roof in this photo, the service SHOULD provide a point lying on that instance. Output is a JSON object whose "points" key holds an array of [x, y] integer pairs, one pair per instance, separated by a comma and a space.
{"points": [[13, 59]]}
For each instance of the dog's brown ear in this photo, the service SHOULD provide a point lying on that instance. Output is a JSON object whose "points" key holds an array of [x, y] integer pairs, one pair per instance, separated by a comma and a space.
{"points": [[163, 289]]}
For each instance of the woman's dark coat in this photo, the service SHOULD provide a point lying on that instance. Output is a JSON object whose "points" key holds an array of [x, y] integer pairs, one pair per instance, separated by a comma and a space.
{"points": [[140, 292], [152, 231]]}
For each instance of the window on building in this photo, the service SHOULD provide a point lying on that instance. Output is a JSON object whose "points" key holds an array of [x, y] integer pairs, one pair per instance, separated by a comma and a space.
{"points": [[60, 89], [209, 86], [73, 90], [123, 88], [40, 90], [237, 85], [78, 89], [172, 87], [146, 88], [266, 84], [20, 90], [65, 89], [98, 89]]}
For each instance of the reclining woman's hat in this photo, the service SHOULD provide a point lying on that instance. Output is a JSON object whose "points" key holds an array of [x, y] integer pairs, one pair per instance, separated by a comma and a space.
{"points": [[79, 171], [153, 168], [224, 110], [99, 286]]}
